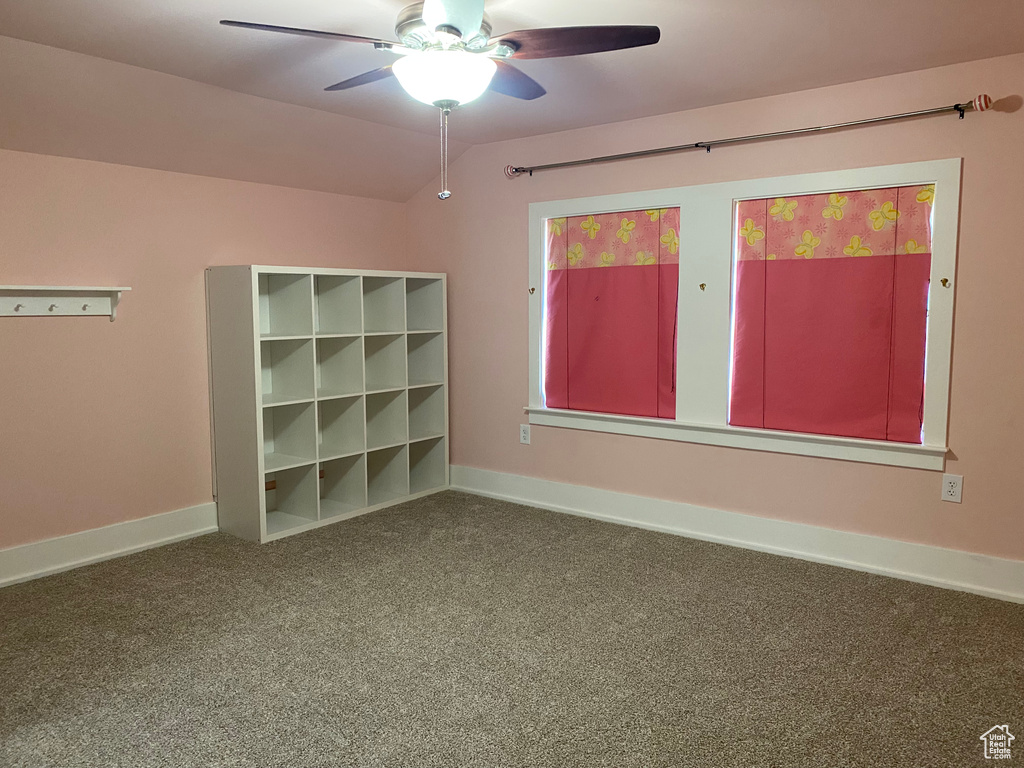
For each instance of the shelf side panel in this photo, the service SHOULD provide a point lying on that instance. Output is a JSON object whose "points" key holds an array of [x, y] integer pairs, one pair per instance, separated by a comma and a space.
{"points": [[233, 374]]}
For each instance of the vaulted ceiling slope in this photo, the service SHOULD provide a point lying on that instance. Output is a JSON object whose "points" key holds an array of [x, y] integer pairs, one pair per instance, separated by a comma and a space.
{"points": [[55, 102], [374, 140]]}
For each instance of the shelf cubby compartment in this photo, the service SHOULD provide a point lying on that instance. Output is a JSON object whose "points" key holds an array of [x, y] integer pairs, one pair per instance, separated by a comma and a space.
{"points": [[426, 412], [286, 305], [291, 498], [342, 486], [341, 427], [424, 304], [387, 474], [385, 362], [286, 368], [289, 436], [426, 358], [383, 304], [386, 419], [339, 367], [339, 306], [426, 465]]}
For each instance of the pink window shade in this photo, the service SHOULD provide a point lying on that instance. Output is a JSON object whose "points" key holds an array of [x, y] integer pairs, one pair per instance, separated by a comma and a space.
{"points": [[830, 313], [610, 313]]}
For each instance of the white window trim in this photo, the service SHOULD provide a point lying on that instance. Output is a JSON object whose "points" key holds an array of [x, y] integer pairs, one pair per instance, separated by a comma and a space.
{"points": [[704, 337]]}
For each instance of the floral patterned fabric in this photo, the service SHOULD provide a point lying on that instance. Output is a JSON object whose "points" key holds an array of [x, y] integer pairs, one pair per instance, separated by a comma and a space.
{"points": [[627, 239], [830, 311], [876, 222], [610, 333]]}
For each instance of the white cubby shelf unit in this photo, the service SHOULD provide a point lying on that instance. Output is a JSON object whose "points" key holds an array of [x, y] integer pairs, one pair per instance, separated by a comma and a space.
{"points": [[329, 394]]}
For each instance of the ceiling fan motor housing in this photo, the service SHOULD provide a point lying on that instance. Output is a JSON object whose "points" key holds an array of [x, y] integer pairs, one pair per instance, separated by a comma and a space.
{"points": [[414, 32]]}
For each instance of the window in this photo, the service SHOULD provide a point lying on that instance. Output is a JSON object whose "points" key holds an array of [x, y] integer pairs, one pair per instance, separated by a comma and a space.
{"points": [[610, 292], [830, 307], [853, 356]]}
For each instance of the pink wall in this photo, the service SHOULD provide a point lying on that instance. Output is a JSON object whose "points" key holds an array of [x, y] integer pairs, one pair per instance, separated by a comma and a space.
{"points": [[103, 422], [480, 238]]}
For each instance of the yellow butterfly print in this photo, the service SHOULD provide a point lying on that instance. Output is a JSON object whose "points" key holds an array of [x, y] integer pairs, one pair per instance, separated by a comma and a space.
{"points": [[834, 209], [607, 259], [913, 246], [657, 213], [882, 216], [575, 254], [855, 248], [783, 209], [643, 259], [591, 227], [552, 265], [752, 233], [671, 239], [926, 194], [771, 257], [555, 226], [807, 245], [626, 230]]}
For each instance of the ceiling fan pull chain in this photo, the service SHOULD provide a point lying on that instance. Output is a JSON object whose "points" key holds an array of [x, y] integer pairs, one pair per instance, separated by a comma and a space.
{"points": [[444, 194]]}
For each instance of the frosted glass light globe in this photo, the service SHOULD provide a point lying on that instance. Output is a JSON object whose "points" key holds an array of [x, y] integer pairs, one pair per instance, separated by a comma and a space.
{"points": [[439, 75]]}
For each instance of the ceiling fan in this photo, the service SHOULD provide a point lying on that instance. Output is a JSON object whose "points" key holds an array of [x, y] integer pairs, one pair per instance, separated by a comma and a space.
{"points": [[448, 57]]}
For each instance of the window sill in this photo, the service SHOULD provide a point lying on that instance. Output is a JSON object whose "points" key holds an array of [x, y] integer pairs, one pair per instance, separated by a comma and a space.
{"points": [[931, 457]]}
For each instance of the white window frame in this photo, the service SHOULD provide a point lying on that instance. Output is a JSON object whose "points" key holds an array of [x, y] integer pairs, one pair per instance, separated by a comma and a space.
{"points": [[705, 335]]}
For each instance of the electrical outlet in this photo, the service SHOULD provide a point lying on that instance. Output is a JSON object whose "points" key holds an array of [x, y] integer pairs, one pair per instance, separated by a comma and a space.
{"points": [[524, 434], [952, 488]]}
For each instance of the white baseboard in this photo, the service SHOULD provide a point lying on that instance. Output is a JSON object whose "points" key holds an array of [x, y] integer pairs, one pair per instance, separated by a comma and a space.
{"points": [[949, 568], [41, 558]]}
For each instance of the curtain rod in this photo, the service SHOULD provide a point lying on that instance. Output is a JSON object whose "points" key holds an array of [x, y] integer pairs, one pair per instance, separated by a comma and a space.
{"points": [[980, 103]]}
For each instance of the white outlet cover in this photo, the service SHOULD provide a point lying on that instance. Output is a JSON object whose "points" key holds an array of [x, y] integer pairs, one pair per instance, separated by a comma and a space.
{"points": [[524, 434], [952, 488]]}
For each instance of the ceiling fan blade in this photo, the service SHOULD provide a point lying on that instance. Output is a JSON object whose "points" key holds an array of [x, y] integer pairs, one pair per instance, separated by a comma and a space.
{"points": [[367, 77], [312, 33], [575, 41], [511, 82]]}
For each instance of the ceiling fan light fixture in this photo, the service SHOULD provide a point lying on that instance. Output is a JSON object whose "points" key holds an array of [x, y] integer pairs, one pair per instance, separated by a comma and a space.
{"points": [[436, 76]]}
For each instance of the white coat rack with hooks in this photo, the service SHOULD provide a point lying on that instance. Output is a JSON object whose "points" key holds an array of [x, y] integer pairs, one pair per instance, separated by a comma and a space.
{"points": [[59, 300]]}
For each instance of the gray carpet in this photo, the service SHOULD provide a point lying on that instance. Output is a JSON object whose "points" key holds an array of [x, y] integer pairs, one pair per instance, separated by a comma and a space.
{"points": [[460, 631]]}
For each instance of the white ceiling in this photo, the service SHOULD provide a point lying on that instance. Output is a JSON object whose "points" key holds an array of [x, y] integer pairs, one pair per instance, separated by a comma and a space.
{"points": [[712, 51]]}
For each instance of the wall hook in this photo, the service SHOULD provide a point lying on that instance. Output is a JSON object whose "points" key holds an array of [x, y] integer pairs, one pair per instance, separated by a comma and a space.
{"points": [[703, 286], [59, 300], [945, 282]]}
